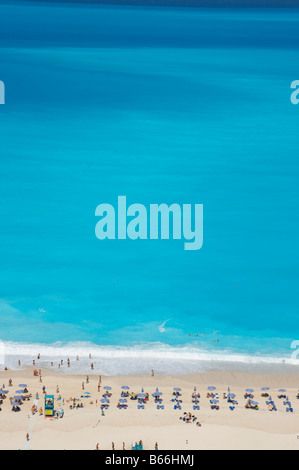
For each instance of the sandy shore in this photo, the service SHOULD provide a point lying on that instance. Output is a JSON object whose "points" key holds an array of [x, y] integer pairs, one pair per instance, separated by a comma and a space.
{"points": [[84, 428]]}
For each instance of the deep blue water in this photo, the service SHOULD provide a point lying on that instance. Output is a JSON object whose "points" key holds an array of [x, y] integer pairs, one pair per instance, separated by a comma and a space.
{"points": [[161, 105]]}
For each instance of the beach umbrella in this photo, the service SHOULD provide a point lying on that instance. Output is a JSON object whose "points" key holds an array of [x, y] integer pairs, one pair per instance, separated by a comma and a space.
{"points": [[105, 400], [157, 390], [123, 400], [23, 385], [211, 389], [214, 401], [254, 403], [107, 388], [20, 391], [86, 393], [265, 389], [125, 387], [231, 395], [15, 403], [177, 389], [282, 390], [141, 395], [157, 394], [17, 397], [4, 392], [249, 390]]}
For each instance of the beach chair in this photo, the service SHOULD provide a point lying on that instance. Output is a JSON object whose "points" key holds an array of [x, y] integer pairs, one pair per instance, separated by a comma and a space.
{"points": [[232, 408]]}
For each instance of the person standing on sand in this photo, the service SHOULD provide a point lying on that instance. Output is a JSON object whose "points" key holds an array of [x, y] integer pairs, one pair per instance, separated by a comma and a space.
{"points": [[156, 446], [124, 448], [98, 446], [27, 437], [113, 446], [82, 385], [153, 373]]}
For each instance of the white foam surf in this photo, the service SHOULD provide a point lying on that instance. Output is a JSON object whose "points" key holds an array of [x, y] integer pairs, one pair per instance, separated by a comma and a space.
{"points": [[137, 359]]}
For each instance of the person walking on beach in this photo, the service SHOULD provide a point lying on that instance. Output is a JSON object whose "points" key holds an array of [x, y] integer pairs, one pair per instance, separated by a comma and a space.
{"points": [[98, 446], [113, 446], [27, 437], [156, 446], [82, 385], [124, 447]]}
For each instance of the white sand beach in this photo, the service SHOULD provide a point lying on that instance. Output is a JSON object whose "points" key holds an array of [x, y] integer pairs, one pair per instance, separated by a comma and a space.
{"points": [[84, 428]]}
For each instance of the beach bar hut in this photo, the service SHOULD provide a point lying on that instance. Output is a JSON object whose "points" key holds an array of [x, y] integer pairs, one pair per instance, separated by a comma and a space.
{"points": [[49, 406]]}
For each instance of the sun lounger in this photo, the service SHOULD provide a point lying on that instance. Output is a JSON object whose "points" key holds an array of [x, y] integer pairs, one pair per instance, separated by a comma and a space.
{"points": [[232, 408]]}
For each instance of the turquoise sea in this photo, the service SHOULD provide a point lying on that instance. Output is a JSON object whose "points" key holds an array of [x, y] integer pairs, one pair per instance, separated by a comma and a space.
{"points": [[163, 105]]}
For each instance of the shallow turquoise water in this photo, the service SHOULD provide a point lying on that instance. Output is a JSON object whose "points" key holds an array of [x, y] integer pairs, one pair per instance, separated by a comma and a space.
{"points": [[161, 105]]}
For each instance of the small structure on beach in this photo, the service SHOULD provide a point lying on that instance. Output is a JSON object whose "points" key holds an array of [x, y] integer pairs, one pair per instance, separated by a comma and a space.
{"points": [[49, 406]]}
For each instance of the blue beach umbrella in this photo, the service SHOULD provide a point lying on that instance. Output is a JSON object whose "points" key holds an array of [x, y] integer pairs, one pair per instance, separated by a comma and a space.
{"points": [[249, 390], [20, 391], [107, 388], [254, 403], [265, 389], [123, 400], [105, 400], [211, 389], [4, 392], [17, 397], [125, 387], [214, 401], [23, 385], [231, 395], [15, 403], [177, 389], [282, 390], [157, 394], [141, 395]]}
